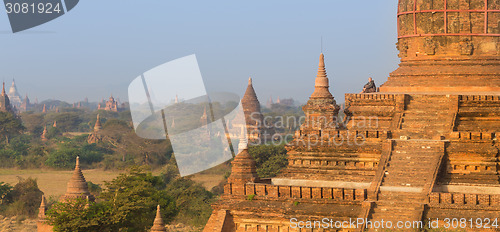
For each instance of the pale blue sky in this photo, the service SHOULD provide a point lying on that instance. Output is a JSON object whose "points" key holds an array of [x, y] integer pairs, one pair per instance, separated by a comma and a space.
{"points": [[99, 47]]}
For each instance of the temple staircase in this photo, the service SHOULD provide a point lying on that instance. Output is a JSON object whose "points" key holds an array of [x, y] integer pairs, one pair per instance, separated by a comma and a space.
{"points": [[426, 117], [409, 176], [412, 160]]}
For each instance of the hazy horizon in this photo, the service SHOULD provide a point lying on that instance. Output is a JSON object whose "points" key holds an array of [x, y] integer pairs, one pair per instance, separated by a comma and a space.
{"points": [[98, 48]]}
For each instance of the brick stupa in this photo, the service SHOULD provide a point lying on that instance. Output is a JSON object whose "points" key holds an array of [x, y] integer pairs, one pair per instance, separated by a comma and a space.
{"points": [[158, 224], [423, 148], [77, 186], [77, 189], [253, 115]]}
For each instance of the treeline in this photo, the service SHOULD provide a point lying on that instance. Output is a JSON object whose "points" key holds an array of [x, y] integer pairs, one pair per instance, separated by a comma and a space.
{"points": [[21, 144], [127, 203]]}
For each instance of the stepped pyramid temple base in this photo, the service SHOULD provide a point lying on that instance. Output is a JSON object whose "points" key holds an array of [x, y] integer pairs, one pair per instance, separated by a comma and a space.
{"points": [[401, 157], [421, 153]]}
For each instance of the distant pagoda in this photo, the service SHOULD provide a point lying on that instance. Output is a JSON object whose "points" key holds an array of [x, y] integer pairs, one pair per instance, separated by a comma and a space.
{"points": [[5, 101], [96, 136], [14, 96]]}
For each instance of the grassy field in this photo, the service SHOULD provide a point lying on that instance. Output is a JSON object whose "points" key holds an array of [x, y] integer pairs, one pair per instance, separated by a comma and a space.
{"points": [[53, 183]]}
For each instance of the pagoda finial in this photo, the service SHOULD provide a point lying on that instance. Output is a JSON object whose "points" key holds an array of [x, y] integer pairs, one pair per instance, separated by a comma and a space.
{"points": [[321, 84], [158, 224], [249, 80]]}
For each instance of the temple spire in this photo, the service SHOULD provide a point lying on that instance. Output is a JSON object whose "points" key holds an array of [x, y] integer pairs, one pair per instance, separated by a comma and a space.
{"points": [[44, 134], [77, 185], [321, 84], [158, 224], [204, 117], [42, 209], [3, 89], [97, 125], [44, 110]]}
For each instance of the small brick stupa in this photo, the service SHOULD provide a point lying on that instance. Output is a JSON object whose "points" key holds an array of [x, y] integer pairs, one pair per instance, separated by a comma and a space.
{"points": [[95, 136], [158, 224], [77, 186], [43, 137]]}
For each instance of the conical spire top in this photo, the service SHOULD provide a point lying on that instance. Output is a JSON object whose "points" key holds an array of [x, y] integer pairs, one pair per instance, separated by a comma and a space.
{"points": [[43, 204], [249, 100], [42, 209], [158, 224], [321, 84], [3, 89]]}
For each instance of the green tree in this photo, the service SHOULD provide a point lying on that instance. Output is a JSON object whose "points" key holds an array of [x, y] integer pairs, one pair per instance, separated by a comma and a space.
{"points": [[270, 159], [26, 197], [65, 154], [81, 216], [5, 193], [9, 125], [127, 204], [192, 200], [135, 195]]}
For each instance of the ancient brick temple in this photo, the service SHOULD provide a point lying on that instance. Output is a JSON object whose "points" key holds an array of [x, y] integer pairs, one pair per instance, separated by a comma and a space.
{"points": [[424, 148], [77, 188]]}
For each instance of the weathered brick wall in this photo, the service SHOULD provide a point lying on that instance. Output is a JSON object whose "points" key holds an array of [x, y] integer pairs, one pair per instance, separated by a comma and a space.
{"points": [[464, 199], [298, 192]]}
